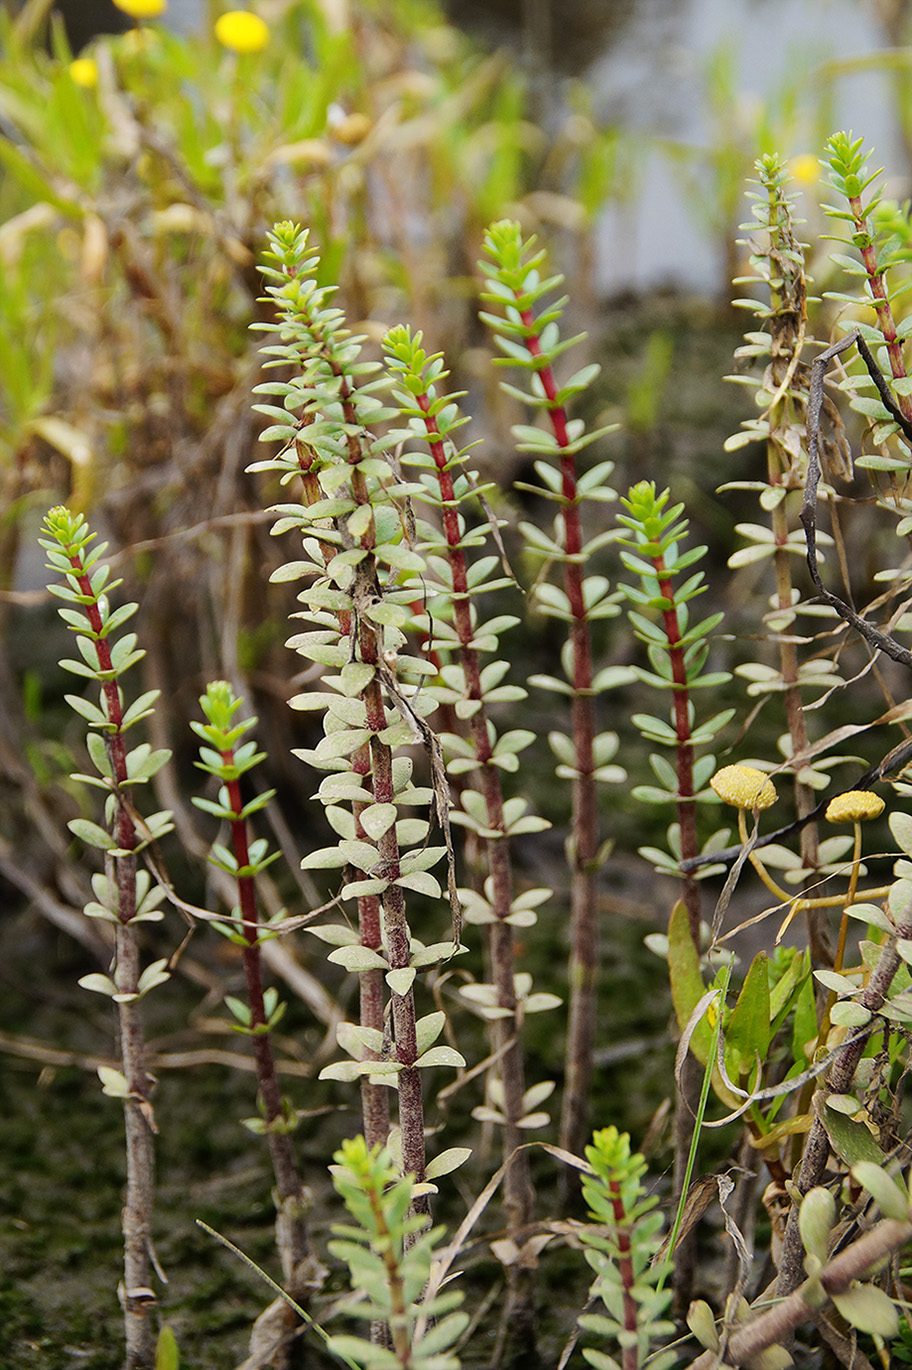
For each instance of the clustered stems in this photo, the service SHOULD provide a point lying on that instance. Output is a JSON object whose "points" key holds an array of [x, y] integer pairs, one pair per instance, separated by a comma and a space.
{"points": [[394, 922], [774, 1327], [353, 525], [518, 1196], [838, 1081], [375, 1111], [228, 762]]}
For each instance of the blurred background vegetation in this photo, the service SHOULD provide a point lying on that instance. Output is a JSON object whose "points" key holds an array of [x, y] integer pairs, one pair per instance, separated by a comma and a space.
{"points": [[139, 172]]}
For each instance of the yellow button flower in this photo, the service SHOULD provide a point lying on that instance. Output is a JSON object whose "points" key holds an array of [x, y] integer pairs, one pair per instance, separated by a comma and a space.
{"points": [[854, 807], [84, 72], [744, 787], [241, 31], [142, 9]]}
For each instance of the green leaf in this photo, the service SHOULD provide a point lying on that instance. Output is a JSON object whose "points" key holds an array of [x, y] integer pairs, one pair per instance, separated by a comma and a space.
{"points": [[91, 834], [113, 1082], [421, 882], [357, 958], [687, 987], [439, 1056], [376, 820], [892, 1199], [868, 1309], [400, 981], [815, 1221], [447, 1161], [748, 1033], [167, 1356], [98, 984], [850, 1139], [96, 717]]}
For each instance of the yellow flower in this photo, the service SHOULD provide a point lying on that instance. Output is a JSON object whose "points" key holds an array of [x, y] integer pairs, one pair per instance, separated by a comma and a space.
{"points": [[142, 9], [854, 807], [84, 72], [805, 169], [241, 31], [745, 787]]}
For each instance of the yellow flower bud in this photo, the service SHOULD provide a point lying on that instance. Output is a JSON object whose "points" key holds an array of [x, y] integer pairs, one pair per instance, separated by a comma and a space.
{"points": [[241, 31], [854, 807], [142, 9], [745, 787], [84, 72]]}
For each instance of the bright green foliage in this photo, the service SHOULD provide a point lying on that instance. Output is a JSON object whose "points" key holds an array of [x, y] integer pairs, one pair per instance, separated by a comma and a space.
{"points": [[227, 761], [362, 573], [875, 241], [678, 651], [89, 615], [223, 758], [471, 690], [621, 1252], [526, 329], [389, 1253]]}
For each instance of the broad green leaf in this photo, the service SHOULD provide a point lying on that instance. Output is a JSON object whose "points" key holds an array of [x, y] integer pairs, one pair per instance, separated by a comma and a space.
{"points": [[687, 987], [748, 1032], [167, 1356], [428, 1029], [98, 984], [850, 1139], [376, 820]]}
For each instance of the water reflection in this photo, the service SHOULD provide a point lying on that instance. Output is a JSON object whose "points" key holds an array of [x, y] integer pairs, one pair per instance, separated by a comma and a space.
{"points": [[693, 88]]}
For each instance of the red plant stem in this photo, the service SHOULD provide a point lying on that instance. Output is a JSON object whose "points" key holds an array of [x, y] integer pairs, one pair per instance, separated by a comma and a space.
{"points": [[375, 1116], [584, 953], [630, 1358], [395, 923], [687, 812], [138, 1298], [505, 1031], [881, 301], [288, 1181]]}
